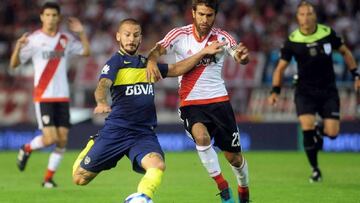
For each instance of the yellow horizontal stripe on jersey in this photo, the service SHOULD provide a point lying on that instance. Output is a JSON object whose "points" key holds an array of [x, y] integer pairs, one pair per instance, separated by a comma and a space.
{"points": [[128, 76]]}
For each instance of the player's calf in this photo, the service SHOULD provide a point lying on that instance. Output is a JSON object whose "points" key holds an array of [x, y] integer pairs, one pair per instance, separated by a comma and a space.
{"points": [[83, 177]]}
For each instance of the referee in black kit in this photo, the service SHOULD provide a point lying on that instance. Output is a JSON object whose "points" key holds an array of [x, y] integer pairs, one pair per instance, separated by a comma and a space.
{"points": [[312, 45]]}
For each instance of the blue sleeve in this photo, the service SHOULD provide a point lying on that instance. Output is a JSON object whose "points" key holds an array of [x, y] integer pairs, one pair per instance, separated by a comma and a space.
{"points": [[111, 68], [163, 68]]}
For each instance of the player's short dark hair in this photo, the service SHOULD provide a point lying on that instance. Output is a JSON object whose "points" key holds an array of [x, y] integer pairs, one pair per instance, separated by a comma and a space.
{"points": [[305, 3], [214, 4], [129, 21], [51, 5]]}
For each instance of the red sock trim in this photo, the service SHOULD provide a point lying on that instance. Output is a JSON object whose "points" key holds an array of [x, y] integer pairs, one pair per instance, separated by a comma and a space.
{"points": [[243, 192], [49, 175], [222, 184], [27, 148]]}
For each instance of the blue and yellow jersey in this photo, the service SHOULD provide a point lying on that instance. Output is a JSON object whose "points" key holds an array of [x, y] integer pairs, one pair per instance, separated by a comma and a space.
{"points": [[132, 95]]}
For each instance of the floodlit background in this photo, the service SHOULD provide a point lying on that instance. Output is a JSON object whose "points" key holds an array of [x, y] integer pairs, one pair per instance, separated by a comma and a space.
{"points": [[261, 25]]}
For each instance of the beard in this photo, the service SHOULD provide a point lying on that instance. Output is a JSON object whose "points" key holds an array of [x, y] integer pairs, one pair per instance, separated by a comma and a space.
{"points": [[203, 31], [130, 52]]}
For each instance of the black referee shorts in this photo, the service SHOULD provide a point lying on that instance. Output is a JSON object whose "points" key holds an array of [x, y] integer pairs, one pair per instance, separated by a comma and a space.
{"points": [[326, 103]]}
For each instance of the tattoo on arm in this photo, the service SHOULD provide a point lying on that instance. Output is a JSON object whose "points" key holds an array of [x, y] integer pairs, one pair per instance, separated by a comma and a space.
{"points": [[102, 90]]}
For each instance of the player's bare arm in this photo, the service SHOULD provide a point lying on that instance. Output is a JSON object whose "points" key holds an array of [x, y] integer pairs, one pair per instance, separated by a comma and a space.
{"points": [[185, 65], [351, 64], [76, 26], [101, 92], [241, 54], [14, 60], [277, 80], [152, 71]]}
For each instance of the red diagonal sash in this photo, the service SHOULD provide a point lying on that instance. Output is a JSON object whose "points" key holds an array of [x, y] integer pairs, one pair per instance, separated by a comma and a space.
{"points": [[50, 69], [189, 79]]}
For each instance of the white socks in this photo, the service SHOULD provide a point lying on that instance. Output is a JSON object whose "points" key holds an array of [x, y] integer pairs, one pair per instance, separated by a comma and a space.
{"points": [[55, 158], [36, 143], [242, 173], [209, 159]]}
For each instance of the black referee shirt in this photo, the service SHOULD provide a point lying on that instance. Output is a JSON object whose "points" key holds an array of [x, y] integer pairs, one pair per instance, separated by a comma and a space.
{"points": [[313, 54]]}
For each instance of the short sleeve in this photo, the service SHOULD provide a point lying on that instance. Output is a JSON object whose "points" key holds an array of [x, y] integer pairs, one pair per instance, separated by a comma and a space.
{"points": [[285, 51], [26, 52], [163, 68], [169, 42], [111, 68], [75, 47], [230, 40], [335, 40]]}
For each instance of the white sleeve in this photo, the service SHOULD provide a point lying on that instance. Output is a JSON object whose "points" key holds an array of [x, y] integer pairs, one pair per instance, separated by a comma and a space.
{"points": [[231, 43], [75, 47], [26, 52], [169, 41]]}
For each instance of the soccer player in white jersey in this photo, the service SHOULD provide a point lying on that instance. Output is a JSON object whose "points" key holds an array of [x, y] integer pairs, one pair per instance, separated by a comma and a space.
{"points": [[49, 50], [204, 102]]}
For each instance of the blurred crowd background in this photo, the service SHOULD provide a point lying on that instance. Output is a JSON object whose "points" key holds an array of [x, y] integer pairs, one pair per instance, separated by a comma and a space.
{"points": [[261, 25]]}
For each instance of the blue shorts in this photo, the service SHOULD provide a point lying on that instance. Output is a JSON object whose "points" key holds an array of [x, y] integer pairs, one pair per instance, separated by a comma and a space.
{"points": [[106, 151]]}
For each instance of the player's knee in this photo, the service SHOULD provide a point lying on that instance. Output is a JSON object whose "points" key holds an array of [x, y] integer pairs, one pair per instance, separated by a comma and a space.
{"points": [[202, 139], [61, 142], [160, 165], [235, 160], [332, 133]]}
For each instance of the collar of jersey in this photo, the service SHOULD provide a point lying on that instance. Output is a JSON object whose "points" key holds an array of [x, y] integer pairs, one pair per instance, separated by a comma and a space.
{"points": [[321, 32]]}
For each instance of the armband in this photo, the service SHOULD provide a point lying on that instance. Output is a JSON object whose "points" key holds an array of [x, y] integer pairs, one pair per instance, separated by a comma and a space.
{"points": [[276, 90], [355, 74]]}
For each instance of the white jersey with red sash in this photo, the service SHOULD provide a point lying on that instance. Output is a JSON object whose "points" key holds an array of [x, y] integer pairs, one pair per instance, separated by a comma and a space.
{"points": [[203, 84], [49, 56]]}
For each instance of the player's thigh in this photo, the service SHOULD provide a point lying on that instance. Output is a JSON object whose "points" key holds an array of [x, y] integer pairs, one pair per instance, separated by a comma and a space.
{"points": [[195, 119], [307, 121], [105, 153], [146, 146], [331, 127]]}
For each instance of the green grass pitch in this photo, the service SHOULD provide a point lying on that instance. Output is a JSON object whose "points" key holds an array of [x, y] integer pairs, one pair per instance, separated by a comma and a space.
{"points": [[275, 177]]}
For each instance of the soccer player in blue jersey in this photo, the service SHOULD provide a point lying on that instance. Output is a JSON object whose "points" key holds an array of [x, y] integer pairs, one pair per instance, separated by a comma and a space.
{"points": [[129, 128]]}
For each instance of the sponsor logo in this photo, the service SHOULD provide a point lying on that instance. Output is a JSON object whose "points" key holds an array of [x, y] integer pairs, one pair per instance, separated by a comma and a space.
{"points": [[87, 160], [45, 119], [127, 62], [327, 48], [105, 69], [52, 54], [141, 89]]}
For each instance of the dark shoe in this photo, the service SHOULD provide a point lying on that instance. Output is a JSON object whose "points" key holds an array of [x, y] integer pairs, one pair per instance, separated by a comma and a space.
{"points": [[49, 184], [226, 196], [244, 195], [315, 176], [22, 158]]}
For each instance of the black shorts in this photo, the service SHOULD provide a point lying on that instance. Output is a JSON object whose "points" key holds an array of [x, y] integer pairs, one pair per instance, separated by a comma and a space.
{"points": [[219, 120], [324, 102], [52, 114]]}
